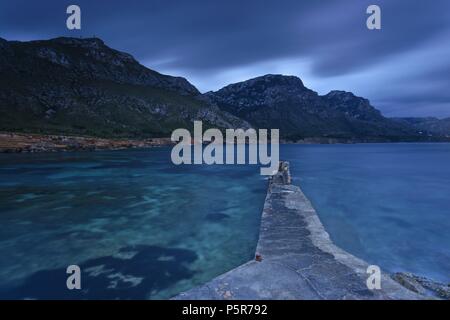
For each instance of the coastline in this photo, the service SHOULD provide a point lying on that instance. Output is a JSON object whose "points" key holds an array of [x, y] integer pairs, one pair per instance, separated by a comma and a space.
{"points": [[11, 142], [296, 259], [18, 142]]}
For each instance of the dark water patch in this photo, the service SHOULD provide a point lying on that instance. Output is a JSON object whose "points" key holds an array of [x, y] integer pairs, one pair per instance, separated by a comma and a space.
{"points": [[120, 165], [217, 217], [25, 170], [399, 223], [136, 272], [75, 207]]}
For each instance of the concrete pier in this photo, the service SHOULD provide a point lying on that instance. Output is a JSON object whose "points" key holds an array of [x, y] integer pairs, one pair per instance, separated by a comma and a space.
{"points": [[295, 258]]}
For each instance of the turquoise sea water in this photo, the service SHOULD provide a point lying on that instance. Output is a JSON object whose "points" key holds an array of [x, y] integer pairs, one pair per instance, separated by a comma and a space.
{"points": [[386, 203], [140, 227]]}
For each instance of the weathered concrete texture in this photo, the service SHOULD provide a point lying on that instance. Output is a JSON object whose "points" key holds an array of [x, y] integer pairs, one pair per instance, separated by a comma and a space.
{"points": [[295, 258]]}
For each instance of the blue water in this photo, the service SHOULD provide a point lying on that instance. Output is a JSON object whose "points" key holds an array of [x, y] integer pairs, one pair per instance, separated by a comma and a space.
{"points": [[138, 226], [386, 203]]}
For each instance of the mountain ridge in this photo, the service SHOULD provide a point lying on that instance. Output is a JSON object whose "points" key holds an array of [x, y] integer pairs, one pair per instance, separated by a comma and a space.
{"points": [[80, 86], [301, 113], [431, 125]]}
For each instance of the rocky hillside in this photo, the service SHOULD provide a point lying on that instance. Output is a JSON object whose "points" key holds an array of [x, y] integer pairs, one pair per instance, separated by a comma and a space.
{"points": [[74, 86], [83, 87], [434, 126], [276, 101]]}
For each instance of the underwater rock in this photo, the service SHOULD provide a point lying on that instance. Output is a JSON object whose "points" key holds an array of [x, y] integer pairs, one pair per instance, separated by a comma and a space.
{"points": [[217, 217], [422, 285]]}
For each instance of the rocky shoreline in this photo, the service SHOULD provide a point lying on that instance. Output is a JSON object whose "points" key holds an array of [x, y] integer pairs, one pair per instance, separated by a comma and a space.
{"points": [[22, 142]]}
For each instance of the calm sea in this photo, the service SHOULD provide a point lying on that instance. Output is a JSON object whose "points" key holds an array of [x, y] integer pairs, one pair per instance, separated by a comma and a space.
{"points": [[386, 203], [140, 227]]}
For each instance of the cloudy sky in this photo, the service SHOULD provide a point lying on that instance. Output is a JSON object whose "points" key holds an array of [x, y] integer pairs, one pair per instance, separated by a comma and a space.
{"points": [[404, 68]]}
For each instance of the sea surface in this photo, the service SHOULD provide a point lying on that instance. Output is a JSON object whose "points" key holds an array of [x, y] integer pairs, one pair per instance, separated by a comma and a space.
{"points": [[140, 227], [386, 203]]}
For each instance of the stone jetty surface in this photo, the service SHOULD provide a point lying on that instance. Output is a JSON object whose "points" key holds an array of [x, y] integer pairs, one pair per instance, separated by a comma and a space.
{"points": [[295, 258]]}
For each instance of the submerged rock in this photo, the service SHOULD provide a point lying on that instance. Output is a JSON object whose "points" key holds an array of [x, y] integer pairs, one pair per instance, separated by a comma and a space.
{"points": [[422, 285], [217, 217]]}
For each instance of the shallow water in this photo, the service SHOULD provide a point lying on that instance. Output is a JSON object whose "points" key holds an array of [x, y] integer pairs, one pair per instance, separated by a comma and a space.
{"points": [[386, 203], [138, 226]]}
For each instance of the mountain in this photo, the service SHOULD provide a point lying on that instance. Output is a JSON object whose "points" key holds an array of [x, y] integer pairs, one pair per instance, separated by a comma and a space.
{"points": [[82, 87], [434, 126], [277, 101], [75, 86]]}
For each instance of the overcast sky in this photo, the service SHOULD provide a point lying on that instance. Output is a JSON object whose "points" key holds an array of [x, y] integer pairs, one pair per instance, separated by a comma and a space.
{"points": [[404, 68]]}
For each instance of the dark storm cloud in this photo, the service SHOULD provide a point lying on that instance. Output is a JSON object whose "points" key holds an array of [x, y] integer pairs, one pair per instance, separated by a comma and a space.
{"points": [[203, 39]]}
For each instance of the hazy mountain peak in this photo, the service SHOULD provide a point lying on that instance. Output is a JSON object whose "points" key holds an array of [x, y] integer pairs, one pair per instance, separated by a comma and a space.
{"points": [[266, 82], [79, 41], [340, 94], [278, 101], [277, 79], [352, 106], [261, 91]]}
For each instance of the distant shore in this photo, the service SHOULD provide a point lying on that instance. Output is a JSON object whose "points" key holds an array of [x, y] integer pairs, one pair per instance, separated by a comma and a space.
{"points": [[13, 142], [18, 142]]}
